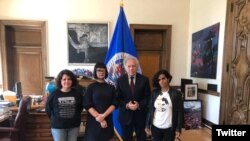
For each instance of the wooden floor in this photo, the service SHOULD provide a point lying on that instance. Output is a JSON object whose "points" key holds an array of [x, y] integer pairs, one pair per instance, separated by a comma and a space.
{"points": [[203, 134]]}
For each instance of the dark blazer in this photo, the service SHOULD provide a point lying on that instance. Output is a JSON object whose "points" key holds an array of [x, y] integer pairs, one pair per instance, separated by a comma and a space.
{"points": [[177, 111], [141, 95]]}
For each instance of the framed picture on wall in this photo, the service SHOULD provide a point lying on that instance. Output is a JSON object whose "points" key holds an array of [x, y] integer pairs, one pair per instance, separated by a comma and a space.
{"points": [[87, 42], [191, 91], [192, 114], [205, 52]]}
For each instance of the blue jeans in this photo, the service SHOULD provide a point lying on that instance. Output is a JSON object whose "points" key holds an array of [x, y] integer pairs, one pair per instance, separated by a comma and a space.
{"points": [[68, 134]]}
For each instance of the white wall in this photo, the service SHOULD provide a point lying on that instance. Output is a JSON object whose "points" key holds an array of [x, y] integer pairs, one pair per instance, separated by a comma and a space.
{"points": [[210, 107], [58, 12], [204, 13], [185, 16]]}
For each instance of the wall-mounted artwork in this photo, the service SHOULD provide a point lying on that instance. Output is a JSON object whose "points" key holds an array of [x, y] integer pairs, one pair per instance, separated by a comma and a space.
{"points": [[205, 52], [87, 42]]}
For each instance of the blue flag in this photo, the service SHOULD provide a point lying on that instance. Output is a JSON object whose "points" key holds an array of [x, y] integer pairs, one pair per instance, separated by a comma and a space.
{"points": [[121, 46]]}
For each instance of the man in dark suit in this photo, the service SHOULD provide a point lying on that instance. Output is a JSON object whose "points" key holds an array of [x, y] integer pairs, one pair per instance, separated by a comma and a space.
{"points": [[133, 92]]}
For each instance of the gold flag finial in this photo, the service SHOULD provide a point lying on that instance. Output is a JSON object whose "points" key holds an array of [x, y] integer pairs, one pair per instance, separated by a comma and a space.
{"points": [[121, 3]]}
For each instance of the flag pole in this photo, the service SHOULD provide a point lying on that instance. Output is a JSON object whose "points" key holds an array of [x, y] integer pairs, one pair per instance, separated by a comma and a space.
{"points": [[121, 3], [121, 47], [116, 132], [118, 135]]}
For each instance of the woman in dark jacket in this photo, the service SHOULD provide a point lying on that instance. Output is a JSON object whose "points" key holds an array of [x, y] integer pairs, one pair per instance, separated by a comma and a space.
{"points": [[165, 116], [99, 102]]}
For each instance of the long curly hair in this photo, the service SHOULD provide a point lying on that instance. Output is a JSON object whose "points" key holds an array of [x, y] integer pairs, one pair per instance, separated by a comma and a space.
{"points": [[68, 73], [155, 79]]}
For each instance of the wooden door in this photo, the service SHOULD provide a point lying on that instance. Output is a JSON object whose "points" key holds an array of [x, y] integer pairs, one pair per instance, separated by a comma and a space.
{"points": [[235, 92], [23, 52], [153, 46]]}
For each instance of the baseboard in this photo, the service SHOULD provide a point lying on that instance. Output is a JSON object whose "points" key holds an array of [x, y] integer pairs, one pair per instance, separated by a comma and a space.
{"points": [[207, 123]]}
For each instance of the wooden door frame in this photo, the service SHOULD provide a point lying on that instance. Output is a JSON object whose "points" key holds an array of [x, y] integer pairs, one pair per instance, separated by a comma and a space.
{"points": [[167, 31], [41, 25], [234, 99], [228, 42]]}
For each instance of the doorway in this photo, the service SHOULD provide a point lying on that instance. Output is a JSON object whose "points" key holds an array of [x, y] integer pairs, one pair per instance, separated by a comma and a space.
{"points": [[153, 46], [24, 55]]}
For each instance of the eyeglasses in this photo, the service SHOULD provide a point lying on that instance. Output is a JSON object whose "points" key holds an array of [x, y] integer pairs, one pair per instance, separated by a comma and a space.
{"points": [[100, 70]]}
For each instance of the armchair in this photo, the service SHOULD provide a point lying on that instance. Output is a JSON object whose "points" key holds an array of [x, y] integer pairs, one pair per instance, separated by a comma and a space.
{"points": [[15, 132]]}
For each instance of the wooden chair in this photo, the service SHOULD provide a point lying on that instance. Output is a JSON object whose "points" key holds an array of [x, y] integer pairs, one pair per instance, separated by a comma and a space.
{"points": [[15, 132]]}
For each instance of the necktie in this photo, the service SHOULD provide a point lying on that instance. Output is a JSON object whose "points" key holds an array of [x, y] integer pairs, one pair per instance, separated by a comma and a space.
{"points": [[132, 85]]}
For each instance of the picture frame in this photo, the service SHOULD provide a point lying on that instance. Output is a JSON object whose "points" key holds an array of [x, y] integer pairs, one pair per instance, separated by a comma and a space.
{"points": [[191, 91], [204, 53], [87, 42], [185, 81], [192, 114]]}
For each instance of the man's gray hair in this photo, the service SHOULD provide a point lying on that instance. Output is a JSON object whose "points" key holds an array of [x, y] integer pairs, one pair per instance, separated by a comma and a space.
{"points": [[130, 58]]}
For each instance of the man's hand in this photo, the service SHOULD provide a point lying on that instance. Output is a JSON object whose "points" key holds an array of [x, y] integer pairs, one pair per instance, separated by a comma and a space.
{"points": [[132, 105]]}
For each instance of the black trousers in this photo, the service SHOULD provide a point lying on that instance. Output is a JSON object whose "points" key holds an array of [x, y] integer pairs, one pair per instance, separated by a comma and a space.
{"points": [[128, 130], [162, 134]]}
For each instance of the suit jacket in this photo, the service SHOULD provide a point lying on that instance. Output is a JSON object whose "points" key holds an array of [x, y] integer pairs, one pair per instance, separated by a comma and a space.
{"points": [[141, 95]]}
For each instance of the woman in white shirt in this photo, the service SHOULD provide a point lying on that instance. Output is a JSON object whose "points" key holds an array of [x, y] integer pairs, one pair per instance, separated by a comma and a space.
{"points": [[165, 116]]}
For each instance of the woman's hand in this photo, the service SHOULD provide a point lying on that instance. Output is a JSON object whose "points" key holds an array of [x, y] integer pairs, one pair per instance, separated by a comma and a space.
{"points": [[100, 117], [177, 134], [104, 124], [148, 132]]}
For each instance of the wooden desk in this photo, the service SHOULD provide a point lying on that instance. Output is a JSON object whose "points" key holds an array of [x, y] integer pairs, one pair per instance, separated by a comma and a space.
{"points": [[5, 114], [38, 125], [33, 107], [85, 82], [4, 117]]}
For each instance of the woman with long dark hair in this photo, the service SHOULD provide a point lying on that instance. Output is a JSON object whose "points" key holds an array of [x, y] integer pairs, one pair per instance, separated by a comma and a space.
{"points": [[165, 116]]}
